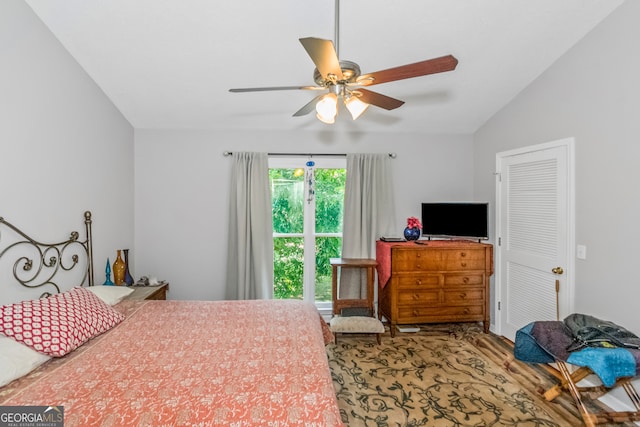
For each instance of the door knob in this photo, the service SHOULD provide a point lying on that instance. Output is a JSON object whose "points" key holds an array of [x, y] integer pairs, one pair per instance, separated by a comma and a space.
{"points": [[557, 270]]}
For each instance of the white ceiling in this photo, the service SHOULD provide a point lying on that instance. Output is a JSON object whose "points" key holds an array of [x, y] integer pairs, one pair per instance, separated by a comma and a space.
{"points": [[168, 64]]}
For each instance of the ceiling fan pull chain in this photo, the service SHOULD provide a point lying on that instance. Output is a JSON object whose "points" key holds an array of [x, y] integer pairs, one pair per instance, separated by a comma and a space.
{"points": [[337, 28]]}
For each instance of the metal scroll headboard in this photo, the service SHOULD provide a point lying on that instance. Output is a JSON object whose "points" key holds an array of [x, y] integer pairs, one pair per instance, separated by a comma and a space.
{"points": [[34, 264]]}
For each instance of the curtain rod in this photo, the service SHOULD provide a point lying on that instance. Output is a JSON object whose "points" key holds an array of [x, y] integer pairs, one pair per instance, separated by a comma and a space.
{"points": [[230, 153]]}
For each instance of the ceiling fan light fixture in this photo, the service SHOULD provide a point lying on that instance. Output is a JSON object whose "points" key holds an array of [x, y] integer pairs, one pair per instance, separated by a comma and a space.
{"points": [[355, 106], [327, 108]]}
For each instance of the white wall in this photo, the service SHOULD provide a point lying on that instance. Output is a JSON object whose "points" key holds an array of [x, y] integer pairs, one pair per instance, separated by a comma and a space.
{"points": [[181, 191], [64, 147], [592, 93]]}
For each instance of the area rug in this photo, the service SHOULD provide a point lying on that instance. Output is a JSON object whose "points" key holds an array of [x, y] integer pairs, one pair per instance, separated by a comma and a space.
{"points": [[436, 377]]}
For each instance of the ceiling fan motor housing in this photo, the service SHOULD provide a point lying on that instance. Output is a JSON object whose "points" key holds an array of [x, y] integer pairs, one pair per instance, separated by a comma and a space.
{"points": [[350, 72]]}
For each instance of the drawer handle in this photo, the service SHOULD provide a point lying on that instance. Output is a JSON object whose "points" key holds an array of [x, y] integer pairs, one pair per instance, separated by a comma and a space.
{"points": [[463, 254], [463, 296], [466, 311], [464, 264], [416, 297], [418, 281], [418, 255], [465, 280], [418, 266], [416, 312]]}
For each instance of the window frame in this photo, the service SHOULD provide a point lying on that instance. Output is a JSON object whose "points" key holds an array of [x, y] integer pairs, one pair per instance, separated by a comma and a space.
{"points": [[309, 235]]}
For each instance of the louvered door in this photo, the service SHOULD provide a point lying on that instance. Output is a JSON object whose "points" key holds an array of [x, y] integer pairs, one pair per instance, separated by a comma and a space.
{"points": [[535, 235]]}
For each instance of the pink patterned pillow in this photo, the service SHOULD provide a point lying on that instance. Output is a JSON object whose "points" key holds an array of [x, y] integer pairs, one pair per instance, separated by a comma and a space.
{"points": [[59, 324]]}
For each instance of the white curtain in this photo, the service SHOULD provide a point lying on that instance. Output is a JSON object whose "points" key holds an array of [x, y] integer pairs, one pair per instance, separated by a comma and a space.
{"points": [[368, 214], [250, 246]]}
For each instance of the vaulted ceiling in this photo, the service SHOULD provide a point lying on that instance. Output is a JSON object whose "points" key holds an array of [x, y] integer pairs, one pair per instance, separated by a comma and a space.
{"points": [[168, 64]]}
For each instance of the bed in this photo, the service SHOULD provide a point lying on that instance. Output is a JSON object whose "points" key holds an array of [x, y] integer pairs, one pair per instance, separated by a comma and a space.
{"points": [[168, 363]]}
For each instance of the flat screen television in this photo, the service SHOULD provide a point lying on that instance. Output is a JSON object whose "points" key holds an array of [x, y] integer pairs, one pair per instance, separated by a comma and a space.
{"points": [[466, 220]]}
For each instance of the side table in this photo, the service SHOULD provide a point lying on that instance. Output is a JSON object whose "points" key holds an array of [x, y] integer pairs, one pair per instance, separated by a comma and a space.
{"points": [[338, 264], [149, 292], [344, 321]]}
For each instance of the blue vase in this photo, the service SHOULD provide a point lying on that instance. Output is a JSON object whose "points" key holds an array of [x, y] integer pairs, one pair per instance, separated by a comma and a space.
{"points": [[411, 233], [107, 272], [128, 279]]}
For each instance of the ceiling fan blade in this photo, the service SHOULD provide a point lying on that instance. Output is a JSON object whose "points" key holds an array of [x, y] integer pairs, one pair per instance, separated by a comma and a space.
{"points": [[323, 54], [308, 107], [423, 68], [264, 89], [377, 99]]}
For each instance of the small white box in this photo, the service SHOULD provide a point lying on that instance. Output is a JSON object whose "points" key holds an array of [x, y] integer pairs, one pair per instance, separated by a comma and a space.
{"points": [[408, 328]]}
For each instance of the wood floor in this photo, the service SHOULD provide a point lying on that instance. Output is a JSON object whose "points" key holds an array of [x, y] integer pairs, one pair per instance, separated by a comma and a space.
{"points": [[535, 378]]}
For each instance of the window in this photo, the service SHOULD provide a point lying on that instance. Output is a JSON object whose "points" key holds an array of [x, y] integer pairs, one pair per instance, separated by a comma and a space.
{"points": [[308, 199]]}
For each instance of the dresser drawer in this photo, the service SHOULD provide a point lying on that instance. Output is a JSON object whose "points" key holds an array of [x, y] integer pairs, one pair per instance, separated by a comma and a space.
{"points": [[463, 259], [408, 298], [441, 314], [411, 260], [463, 279], [419, 281], [464, 296]]}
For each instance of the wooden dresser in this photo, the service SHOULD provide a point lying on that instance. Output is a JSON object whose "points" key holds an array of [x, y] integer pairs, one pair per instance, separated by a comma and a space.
{"points": [[434, 281]]}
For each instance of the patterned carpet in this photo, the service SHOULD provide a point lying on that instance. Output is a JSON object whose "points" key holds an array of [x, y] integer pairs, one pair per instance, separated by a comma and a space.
{"points": [[444, 375]]}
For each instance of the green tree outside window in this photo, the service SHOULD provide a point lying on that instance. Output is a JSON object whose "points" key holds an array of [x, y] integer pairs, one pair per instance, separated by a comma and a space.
{"points": [[289, 200]]}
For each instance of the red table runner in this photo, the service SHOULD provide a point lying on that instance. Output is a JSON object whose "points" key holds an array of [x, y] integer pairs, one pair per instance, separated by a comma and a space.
{"points": [[383, 254]]}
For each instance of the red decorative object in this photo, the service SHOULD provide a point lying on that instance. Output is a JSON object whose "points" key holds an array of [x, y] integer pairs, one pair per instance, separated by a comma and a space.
{"points": [[413, 222]]}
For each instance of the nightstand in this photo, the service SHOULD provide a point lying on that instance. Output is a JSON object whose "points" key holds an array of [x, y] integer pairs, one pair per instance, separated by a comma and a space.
{"points": [[149, 292]]}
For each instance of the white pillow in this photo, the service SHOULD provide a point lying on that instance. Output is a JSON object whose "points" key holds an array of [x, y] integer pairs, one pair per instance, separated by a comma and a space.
{"points": [[111, 294], [16, 359]]}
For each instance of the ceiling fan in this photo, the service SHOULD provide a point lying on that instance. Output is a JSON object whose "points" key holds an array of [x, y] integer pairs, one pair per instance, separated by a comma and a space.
{"points": [[343, 79]]}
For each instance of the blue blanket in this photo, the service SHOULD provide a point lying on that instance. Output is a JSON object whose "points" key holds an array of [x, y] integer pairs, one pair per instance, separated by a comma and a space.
{"points": [[608, 364]]}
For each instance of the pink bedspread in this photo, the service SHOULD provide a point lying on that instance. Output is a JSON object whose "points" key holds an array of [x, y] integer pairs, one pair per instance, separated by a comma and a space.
{"points": [[178, 363]]}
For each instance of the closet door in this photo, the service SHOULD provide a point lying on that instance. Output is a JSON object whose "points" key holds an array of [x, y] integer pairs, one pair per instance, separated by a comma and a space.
{"points": [[535, 225]]}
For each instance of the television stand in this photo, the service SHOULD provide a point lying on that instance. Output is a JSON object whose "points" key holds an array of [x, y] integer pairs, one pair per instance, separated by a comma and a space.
{"points": [[435, 282]]}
